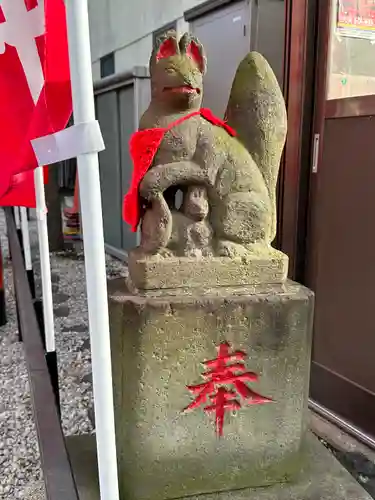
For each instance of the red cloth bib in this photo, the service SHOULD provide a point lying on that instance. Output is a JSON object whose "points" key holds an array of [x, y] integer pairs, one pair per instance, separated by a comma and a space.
{"points": [[143, 147]]}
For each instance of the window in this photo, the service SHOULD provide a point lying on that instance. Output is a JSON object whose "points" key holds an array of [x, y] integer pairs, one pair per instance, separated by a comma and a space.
{"points": [[352, 49], [107, 65]]}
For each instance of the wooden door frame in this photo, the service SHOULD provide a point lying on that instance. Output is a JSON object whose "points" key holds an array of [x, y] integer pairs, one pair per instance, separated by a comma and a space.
{"points": [[293, 183], [320, 103]]}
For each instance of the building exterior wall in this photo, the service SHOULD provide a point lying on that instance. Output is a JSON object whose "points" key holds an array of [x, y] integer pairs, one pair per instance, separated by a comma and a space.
{"points": [[126, 28]]}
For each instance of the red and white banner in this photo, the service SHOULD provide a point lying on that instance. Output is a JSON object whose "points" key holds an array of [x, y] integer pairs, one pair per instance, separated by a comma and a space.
{"points": [[356, 18], [35, 93]]}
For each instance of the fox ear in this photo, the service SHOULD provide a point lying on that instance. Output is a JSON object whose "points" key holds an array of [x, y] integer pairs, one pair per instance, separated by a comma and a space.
{"points": [[192, 47], [166, 49], [194, 51], [167, 46]]}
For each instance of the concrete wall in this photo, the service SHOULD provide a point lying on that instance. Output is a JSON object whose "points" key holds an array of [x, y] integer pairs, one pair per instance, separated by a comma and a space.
{"points": [[126, 27]]}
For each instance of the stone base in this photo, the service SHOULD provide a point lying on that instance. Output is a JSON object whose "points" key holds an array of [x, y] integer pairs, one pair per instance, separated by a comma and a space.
{"points": [[168, 434], [264, 266], [323, 479]]}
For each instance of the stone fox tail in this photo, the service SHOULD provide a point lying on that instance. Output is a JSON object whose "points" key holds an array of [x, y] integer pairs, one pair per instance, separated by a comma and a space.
{"points": [[256, 110]]}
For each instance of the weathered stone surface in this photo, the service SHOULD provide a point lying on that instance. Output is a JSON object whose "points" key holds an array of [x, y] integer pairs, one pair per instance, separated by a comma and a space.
{"points": [[269, 266], [159, 343], [322, 477]]}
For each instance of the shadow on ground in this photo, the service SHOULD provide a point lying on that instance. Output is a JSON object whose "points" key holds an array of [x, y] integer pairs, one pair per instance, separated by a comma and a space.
{"points": [[358, 465]]}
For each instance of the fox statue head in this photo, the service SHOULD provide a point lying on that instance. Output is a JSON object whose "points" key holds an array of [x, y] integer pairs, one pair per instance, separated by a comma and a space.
{"points": [[177, 68]]}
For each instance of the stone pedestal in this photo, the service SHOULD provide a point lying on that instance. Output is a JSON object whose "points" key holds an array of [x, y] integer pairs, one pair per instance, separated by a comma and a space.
{"points": [[263, 265], [160, 341]]}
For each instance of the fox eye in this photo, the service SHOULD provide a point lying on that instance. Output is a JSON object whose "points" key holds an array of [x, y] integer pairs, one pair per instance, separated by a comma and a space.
{"points": [[171, 71]]}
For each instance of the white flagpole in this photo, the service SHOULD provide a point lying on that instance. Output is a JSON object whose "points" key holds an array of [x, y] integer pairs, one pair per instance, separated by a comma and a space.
{"points": [[96, 279], [45, 266], [26, 239]]}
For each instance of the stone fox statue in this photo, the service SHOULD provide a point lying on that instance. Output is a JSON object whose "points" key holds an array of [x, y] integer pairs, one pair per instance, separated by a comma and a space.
{"points": [[227, 171]]}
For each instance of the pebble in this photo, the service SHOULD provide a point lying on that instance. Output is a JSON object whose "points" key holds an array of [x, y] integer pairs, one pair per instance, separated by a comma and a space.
{"points": [[19, 454]]}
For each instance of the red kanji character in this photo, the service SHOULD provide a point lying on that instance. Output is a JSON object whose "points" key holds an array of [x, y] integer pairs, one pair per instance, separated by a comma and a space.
{"points": [[221, 374]]}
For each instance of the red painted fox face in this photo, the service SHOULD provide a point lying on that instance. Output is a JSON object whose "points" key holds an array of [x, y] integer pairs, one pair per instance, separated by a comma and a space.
{"points": [[177, 70]]}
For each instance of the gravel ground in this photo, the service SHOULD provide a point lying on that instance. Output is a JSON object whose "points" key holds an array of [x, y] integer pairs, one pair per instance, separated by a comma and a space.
{"points": [[19, 456]]}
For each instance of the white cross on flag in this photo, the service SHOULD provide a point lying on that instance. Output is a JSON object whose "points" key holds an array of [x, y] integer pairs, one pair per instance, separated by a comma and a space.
{"points": [[35, 94]]}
